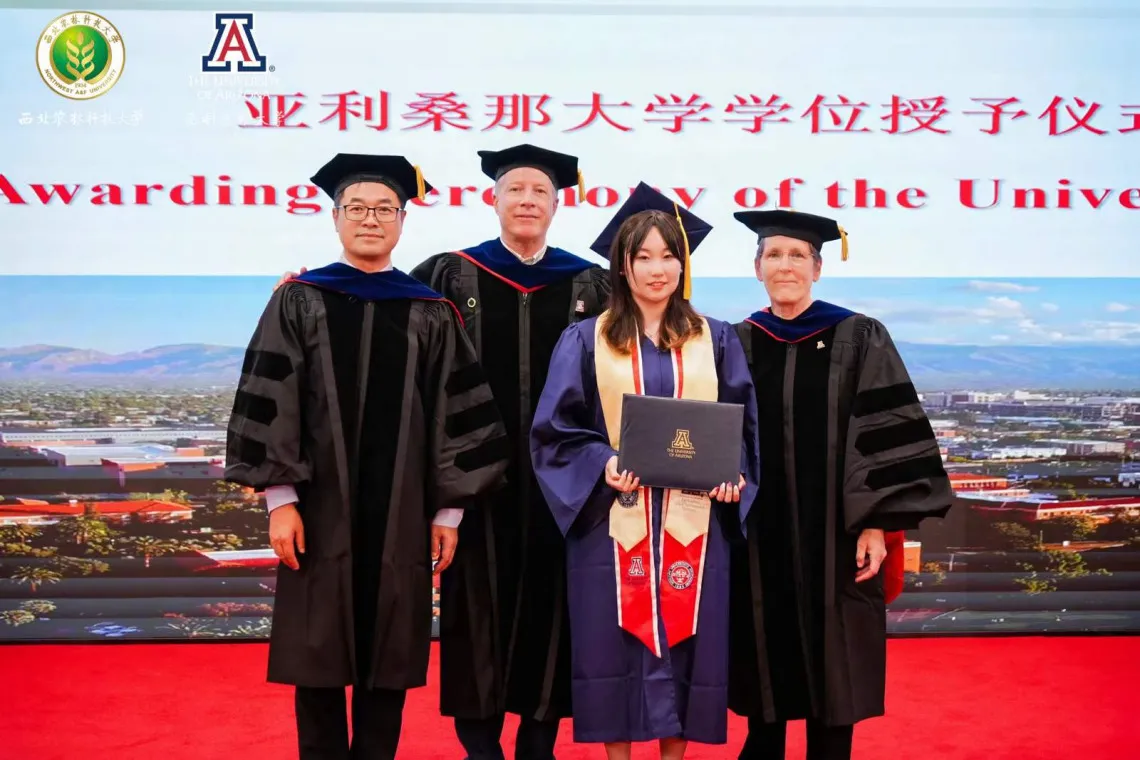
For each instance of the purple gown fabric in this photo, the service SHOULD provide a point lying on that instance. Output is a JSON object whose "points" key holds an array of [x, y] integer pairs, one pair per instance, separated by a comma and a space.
{"points": [[621, 691]]}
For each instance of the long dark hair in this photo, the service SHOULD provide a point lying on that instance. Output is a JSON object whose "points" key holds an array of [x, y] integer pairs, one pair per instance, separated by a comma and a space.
{"points": [[680, 321]]}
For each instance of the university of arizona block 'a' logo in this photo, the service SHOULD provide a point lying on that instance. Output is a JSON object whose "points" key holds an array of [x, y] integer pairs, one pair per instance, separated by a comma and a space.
{"points": [[234, 48]]}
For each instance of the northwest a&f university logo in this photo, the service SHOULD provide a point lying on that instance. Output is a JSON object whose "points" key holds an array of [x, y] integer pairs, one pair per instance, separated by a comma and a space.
{"points": [[80, 55], [234, 47]]}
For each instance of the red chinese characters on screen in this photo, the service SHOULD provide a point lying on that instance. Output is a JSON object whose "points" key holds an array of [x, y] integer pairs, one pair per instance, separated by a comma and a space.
{"points": [[598, 111], [840, 116], [275, 110], [1131, 116], [998, 109], [678, 113], [437, 110], [674, 111], [517, 112], [371, 112], [907, 115], [1074, 116], [754, 111]]}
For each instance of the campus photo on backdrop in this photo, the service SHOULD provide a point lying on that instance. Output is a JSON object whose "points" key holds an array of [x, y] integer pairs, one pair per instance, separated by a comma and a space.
{"points": [[154, 187]]}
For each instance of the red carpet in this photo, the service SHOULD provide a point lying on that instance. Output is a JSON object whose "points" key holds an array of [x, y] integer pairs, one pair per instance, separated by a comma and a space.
{"points": [[950, 699]]}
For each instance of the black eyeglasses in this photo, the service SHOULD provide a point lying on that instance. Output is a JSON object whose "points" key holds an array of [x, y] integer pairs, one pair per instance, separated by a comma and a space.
{"points": [[358, 213]]}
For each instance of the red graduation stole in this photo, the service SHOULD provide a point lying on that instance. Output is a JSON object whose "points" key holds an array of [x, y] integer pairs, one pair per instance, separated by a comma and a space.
{"points": [[644, 591]]}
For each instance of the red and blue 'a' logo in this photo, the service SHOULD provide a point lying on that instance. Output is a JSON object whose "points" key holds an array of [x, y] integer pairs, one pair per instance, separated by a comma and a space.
{"points": [[234, 48]]}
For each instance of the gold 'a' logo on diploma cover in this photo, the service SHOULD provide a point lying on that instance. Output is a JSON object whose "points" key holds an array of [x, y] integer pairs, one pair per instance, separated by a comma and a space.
{"points": [[682, 447]]}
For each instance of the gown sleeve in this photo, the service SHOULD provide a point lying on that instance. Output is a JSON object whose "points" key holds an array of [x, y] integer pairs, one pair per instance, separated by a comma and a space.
{"points": [[894, 474], [568, 451], [263, 439], [428, 272], [468, 444], [598, 298], [736, 387]]}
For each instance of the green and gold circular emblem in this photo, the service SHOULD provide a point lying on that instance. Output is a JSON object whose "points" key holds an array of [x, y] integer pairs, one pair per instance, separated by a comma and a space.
{"points": [[80, 55]]}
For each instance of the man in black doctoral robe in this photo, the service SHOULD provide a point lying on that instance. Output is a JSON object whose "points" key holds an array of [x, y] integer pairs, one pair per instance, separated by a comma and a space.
{"points": [[846, 454], [363, 412], [516, 294]]}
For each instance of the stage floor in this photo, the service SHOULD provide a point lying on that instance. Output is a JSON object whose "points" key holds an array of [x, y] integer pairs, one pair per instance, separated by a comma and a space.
{"points": [[947, 699]]}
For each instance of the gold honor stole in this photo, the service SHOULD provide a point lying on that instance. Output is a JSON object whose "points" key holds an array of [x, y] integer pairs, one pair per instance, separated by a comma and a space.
{"points": [[685, 514]]}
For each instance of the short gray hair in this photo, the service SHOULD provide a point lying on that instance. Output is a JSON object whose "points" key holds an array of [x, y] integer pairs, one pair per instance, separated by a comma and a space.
{"points": [[814, 251]]}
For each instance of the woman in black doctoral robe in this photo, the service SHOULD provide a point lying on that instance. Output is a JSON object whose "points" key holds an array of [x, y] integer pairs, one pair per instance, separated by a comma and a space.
{"points": [[846, 455]]}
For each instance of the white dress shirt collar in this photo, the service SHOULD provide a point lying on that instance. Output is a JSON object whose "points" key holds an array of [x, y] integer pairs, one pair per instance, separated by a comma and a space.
{"points": [[529, 260], [344, 260]]}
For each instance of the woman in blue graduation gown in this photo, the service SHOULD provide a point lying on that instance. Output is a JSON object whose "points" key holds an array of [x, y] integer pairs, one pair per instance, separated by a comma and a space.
{"points": [[647, 568]]}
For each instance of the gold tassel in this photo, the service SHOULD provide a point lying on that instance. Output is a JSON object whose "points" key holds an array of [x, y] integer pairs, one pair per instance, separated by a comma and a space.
{"points": [[687, 291], [581, 187], [420, 191]]}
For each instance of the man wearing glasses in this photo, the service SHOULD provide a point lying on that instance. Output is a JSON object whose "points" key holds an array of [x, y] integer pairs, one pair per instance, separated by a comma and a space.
{"points": [[364, 415]]}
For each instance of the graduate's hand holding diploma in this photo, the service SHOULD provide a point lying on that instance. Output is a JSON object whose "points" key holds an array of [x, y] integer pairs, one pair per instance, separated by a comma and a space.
{"points": [[620, 481], [287, 535], [626, 481], [725, 492]]}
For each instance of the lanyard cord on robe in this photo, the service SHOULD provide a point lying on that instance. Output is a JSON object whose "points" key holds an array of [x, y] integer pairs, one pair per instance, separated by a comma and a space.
{"points": [[685, 514]]}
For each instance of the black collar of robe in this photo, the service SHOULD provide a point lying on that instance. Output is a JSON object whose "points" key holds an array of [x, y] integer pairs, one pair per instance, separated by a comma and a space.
{"points": [[389, 285], [556, 265], [816, 318]]}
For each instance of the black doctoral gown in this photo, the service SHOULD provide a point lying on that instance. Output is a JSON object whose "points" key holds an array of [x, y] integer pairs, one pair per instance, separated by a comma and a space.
{"points": [[844, 445], [378, 413], [511, 560]]}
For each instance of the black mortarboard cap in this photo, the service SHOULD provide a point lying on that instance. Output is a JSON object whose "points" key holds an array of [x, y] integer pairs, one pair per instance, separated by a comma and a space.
{"points": [[694, 230], [810, 228], [396, 172], [560, 167]]}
